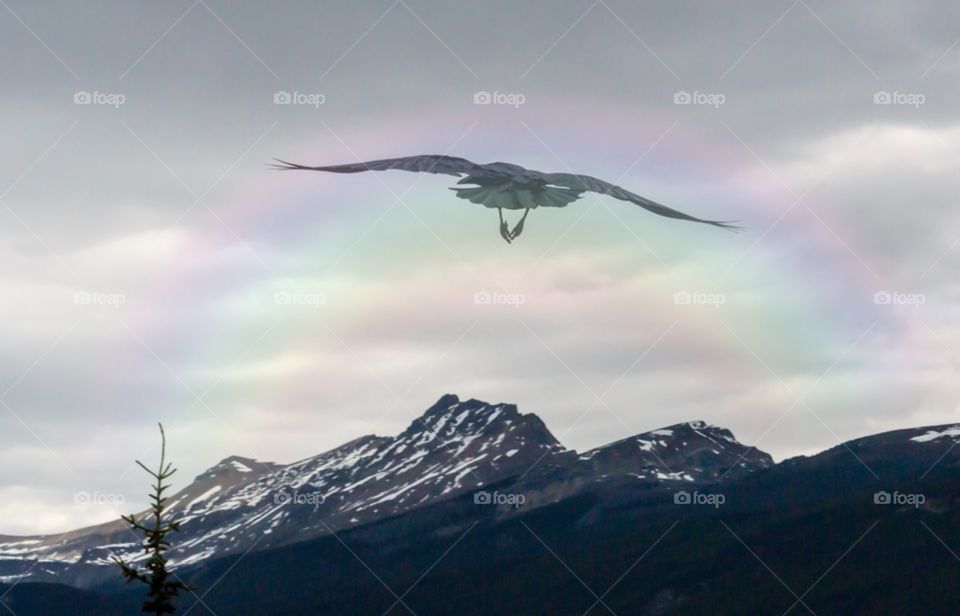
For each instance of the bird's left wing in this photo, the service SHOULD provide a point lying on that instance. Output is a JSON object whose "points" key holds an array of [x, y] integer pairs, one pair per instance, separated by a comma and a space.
{"points": [[592, 184], [425, 163]]}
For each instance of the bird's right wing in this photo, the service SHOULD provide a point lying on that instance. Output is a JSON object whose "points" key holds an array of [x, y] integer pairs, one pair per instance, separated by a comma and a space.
{"points": [[425, 163], [592, 184]]}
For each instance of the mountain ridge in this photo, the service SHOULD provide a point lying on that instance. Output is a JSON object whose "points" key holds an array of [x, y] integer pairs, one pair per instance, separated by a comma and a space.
{"points": [[454, 450]]}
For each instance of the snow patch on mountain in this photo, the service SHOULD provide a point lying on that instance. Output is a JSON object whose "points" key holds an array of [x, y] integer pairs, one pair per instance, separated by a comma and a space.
{"points": [[932, 435]]}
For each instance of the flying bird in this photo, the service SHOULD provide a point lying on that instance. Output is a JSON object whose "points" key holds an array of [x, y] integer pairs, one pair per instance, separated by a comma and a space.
{"points": [[508, 187]]}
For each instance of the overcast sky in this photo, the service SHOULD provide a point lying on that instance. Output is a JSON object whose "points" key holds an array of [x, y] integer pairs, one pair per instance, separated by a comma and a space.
{"points": [[152, 268]]}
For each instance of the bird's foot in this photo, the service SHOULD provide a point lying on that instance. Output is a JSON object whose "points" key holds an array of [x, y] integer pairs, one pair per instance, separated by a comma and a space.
{"points": [[518, 229], [505, 233]]}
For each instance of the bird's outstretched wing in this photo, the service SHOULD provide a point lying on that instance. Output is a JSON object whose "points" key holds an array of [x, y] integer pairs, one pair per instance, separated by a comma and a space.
{"points": [[592, 184], [424, 163]]}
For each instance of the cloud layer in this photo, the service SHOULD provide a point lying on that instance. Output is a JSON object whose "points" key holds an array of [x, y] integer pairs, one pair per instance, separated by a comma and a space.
{"points": [[152, 269]]}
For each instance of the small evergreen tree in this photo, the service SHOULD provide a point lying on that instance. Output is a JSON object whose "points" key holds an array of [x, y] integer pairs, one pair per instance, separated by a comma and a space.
{"points": [[155, 528]]}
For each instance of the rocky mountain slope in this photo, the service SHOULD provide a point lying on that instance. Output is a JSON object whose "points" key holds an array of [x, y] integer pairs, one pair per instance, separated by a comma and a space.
{"points": [[456, 447], [475, 505]]}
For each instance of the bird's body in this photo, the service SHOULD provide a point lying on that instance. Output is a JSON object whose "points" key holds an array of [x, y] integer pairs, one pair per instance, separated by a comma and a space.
{"points": [[506, 186], [514, 193]]}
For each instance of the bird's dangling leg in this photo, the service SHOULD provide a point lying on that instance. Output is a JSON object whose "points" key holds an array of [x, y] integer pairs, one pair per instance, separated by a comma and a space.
{"points": [[504, 232], [518, 229]]}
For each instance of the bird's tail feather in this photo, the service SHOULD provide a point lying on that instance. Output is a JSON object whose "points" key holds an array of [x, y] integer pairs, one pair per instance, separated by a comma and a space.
{"points": [[497, 195]]}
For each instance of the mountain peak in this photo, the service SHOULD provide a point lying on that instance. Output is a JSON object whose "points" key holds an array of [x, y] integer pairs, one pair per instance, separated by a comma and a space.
{"points": [[446, 400], [702, 428], [689, 451], [235, 468], [238, 462], [450, 416]]}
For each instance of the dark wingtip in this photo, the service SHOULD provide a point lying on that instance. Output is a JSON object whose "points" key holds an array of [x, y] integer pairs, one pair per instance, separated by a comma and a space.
{"points": [[727, 225], [283, 165]]}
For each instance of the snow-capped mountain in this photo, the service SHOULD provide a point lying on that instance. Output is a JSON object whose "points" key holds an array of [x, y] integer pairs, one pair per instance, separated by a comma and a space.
{"points": [[455, 448], [693, 451], [403, 501]]}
